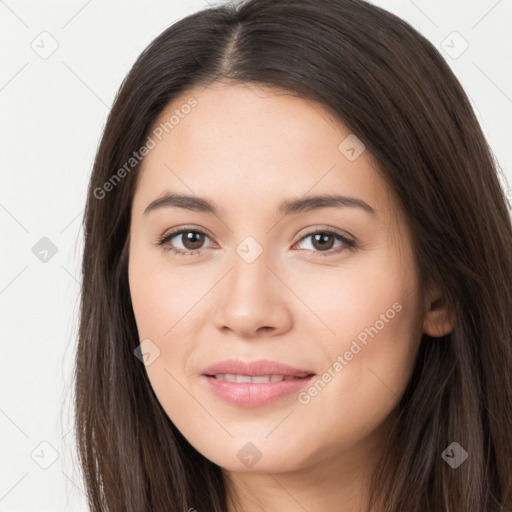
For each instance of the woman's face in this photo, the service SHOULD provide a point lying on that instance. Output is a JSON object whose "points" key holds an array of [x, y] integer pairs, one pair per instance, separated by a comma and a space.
{"points": [[260, 281]]}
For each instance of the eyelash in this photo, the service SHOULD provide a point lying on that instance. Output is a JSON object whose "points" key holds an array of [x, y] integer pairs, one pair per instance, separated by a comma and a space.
{"points": [[349, 244]]}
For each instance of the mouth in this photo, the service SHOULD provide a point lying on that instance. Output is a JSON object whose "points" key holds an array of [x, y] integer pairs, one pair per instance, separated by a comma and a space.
{"points": [[257, 379], [225, 370], [254, 383], [254, 391]]}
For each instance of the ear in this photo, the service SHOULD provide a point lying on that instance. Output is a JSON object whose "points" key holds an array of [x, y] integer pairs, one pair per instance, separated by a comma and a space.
{"points": [[438, 318]]}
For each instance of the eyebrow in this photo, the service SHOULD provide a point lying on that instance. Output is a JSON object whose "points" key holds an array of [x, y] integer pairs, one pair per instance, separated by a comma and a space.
{"points": [[287, 207]]}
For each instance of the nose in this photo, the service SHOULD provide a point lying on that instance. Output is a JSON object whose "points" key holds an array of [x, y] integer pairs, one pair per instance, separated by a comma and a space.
{"points": [[253, 301]]}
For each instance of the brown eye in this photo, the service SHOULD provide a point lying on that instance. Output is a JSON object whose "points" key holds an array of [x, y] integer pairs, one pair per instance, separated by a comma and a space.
{"points": [[192, 240], [322, 241], [184, 242]]}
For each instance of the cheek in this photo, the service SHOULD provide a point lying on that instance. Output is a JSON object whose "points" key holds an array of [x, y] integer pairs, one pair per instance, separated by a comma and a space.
{"points": [[169, 306], [378, 289], [161, 296], [375, 317], [366, 333], [163, 302]]}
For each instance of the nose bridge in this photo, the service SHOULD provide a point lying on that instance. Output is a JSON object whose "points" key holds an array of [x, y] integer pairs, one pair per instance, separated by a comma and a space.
{"points": [[252, 297], [250, 275]]}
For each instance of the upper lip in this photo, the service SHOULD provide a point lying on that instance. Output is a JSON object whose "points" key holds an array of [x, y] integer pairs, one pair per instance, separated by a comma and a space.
{"points": [[255, 368]]}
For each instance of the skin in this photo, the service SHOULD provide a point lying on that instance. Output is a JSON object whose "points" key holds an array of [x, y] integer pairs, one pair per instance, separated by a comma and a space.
{"points": [[247, 148]]}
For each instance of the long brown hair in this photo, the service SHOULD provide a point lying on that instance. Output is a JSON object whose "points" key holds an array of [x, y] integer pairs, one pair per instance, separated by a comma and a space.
{"points": [[390, 86]]}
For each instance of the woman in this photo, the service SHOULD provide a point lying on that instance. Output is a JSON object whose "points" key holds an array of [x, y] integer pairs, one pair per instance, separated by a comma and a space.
{"points": [[296, 274]]}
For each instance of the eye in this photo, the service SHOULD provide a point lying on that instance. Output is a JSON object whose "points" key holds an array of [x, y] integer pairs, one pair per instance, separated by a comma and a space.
{"points": [[191, 241], [323, 242]]}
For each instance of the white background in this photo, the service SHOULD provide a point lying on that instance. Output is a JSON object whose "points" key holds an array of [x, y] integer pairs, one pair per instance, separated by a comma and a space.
{"points": [[53, 112]]}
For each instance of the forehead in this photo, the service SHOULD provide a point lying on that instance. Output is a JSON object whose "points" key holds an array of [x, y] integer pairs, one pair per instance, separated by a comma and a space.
{"points": [[244, 143], [245, 114]]}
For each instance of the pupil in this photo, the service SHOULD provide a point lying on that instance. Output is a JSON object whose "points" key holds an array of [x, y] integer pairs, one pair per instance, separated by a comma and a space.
{"points": [[193, 239], [322, 236]]}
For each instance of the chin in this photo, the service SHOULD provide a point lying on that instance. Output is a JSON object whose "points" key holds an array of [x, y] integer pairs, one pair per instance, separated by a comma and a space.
{"points": [[247, 457]]}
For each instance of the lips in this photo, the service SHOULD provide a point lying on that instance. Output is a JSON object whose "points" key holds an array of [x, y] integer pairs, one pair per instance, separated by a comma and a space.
{"points": [[261, 368], [256, 383], [255, 379]]}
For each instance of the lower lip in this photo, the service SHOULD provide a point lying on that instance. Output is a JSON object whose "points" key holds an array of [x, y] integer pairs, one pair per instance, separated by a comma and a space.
{"points": [[250, 394]]}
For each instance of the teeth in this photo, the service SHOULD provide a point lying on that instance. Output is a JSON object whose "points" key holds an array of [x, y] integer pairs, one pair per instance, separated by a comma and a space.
{"points": [[230, 377]]}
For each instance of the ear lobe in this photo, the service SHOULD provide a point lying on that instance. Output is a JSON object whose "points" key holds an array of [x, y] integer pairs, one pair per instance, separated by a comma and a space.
{"points": [[438, 318]]}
